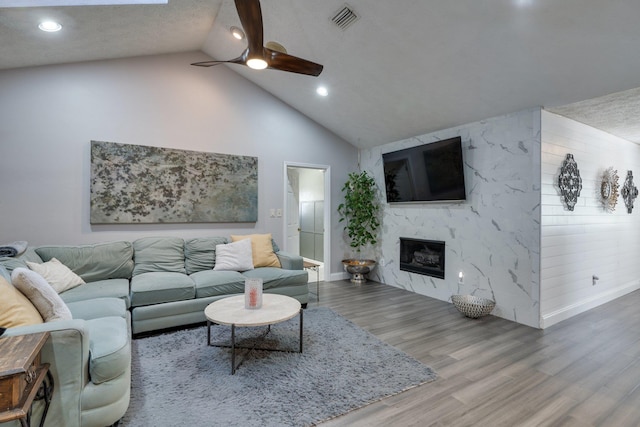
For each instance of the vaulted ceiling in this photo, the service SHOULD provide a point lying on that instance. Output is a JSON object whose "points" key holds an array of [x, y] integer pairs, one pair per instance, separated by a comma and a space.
{"points": [[403, 68]]}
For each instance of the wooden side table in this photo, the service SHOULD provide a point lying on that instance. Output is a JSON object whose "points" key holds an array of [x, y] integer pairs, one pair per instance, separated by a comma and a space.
{"points": [[23, 378]]}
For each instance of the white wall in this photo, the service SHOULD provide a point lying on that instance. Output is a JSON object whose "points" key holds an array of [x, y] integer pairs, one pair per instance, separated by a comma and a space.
{"points": [[587, 241], [493, 237], [48, 115]]}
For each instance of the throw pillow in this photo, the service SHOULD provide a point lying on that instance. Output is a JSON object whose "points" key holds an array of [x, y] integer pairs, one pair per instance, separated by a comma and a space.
{"points": [[234, 256], [262, 248], [15, 308], [58, 275], [41, 294]]}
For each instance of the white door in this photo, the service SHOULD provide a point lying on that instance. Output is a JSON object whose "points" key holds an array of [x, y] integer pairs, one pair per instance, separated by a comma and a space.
{"points": [[293, 214], [296, 188]]}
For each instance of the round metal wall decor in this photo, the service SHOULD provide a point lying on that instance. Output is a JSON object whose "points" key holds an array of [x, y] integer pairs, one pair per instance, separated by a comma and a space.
{"points": [[629, 192], [569, 181], [609, 189]]}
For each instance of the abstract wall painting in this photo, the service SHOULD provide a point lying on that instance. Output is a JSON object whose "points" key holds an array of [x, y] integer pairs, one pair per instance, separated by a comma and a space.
{"points": [[141, 184]]}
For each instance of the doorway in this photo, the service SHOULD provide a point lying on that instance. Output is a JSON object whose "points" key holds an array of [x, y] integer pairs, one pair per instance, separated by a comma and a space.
{"points": [[307, 216]]}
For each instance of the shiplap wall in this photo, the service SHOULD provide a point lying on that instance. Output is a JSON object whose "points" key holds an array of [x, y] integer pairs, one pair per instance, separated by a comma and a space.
{"points": [[575, 245]]}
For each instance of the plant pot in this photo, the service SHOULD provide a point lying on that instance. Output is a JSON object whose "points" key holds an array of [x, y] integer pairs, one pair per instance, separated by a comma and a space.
{"points": [[358, 268]]}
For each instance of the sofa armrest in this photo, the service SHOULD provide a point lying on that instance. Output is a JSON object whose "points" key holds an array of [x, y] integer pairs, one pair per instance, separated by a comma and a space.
{"points": [[289, 261], [98, 308], [67, 352]]}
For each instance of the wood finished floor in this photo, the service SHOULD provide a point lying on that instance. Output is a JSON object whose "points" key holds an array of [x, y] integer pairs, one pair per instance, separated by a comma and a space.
{"points": [[584, 371]]}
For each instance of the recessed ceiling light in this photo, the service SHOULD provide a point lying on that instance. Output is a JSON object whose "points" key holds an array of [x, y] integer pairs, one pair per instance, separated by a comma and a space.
{"points": [[322, 91], [50, 26], [237, 33]]}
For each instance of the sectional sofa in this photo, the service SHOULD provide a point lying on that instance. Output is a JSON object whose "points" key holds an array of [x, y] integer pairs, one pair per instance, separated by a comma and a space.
{"points": [[138, 287]]}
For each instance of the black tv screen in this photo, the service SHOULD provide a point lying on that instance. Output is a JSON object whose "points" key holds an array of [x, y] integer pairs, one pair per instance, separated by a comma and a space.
{"points": [[427, 173]]}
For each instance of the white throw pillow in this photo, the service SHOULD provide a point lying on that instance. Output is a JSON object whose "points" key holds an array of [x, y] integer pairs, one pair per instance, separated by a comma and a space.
{"points": [[59, 276], [236, 256], [41, 294]]}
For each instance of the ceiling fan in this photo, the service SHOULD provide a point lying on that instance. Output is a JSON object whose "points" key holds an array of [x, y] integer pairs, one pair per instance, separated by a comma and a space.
{"points": [[258, 56]]}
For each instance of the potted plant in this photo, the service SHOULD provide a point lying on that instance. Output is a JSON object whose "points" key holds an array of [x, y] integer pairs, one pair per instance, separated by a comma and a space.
{"points": [[360, 212]]}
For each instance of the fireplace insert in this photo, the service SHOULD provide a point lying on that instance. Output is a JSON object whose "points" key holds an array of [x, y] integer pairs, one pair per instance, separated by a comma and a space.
{"points": [[422, 257]]}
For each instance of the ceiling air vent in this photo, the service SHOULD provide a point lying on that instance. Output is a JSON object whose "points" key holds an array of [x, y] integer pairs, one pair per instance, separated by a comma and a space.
{"points": [[344, 17]]}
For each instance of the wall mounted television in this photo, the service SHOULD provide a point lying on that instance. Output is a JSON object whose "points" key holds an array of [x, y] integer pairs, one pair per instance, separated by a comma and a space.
{"points": [[431, 172]]}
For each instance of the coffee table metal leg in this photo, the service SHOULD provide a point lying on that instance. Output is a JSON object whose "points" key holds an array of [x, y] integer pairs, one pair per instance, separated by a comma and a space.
{"points": [[233, 349], [301, 330], [208, 332]]}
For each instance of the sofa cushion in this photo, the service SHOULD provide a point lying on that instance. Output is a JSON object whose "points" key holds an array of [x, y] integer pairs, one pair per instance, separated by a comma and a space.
{"points": [[15, 308], [234, 256], [159, 287], [213, 283], [11, 263], [41, 294], [109, 347], [111, 288], [5, 273], [153, 254], [200, 253], [58, 275], [278, 277], [261, 249], [101, 261]]}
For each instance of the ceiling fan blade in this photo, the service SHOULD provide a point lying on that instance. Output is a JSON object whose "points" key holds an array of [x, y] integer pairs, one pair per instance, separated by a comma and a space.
{"points": [[251, 18], [238, 60], [208, 63], [285, 62]]}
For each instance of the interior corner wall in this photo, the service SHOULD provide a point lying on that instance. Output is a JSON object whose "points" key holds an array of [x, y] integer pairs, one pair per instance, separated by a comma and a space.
{"points": [[494, 236], [49, 115], [588, 241]]}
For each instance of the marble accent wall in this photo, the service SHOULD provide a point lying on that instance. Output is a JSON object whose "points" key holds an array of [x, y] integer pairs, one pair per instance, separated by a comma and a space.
{"points": [[494, 236]]}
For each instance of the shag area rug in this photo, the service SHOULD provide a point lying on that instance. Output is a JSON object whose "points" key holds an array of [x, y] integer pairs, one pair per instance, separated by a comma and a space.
{"points": [[178, 380]]}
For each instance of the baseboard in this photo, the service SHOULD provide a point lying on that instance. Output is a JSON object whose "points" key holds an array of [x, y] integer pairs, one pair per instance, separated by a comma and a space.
{"points": [[334, 277], [569, 311]]}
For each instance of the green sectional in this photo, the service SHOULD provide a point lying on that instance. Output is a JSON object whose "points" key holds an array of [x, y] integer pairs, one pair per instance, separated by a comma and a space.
{"points": [[164, 281], [149, 284]]}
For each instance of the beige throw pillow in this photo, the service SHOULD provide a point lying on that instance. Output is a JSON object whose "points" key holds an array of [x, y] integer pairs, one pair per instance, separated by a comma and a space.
{"points": [[58, 275], [41, 294], [15, 308], [263, 255]]}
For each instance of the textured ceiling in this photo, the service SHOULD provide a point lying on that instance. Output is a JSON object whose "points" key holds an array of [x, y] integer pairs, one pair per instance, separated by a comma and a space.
{"points": [[103, 32], [618, 113], [402, 69]]}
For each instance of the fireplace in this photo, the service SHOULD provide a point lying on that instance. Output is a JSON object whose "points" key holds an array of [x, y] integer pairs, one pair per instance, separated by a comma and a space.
{"points": [[422, 257]]}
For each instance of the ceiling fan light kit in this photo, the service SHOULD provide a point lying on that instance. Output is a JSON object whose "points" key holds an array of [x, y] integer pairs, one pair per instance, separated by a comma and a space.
{"points": [[257, 55], [257, 63]]}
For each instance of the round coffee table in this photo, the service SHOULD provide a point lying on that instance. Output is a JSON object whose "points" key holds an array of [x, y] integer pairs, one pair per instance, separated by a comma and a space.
{"points": [[230, 311]]}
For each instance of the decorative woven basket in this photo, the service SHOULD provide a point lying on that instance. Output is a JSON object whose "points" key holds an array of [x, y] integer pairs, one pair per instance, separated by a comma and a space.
{"points": [[472, 306]]}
